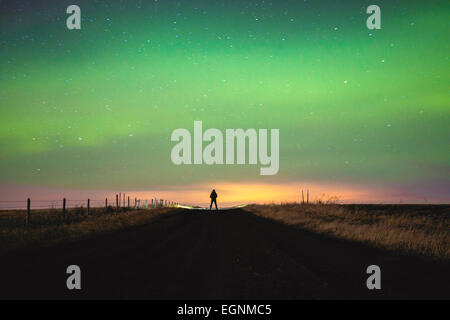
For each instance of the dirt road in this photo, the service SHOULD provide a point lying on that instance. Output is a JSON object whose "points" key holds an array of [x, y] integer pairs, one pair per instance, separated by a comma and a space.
{"points": [[192, 254]]}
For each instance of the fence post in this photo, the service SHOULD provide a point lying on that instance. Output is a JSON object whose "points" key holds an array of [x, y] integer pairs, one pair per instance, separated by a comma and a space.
{"points": [[303, 197], [307, 196], [117, 202], [128, 202], [88, 205], [28, 211], [64, 206], [106, 203]]}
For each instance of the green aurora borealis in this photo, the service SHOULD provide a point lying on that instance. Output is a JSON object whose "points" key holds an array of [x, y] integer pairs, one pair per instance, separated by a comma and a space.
{"points": [[94, 108]]}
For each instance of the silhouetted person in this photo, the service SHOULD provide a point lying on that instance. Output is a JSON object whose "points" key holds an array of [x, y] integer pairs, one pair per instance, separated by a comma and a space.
{"points": [[213, 197]]}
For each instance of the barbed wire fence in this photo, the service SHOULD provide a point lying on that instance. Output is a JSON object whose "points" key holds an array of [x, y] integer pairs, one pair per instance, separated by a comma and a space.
{"points": [[119, 203]]}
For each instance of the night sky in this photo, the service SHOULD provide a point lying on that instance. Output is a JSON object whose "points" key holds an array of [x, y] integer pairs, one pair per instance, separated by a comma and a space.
{"points": [[363, 114]]}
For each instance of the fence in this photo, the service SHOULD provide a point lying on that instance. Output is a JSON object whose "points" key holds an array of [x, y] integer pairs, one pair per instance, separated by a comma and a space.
{"points": [[117, 203]]}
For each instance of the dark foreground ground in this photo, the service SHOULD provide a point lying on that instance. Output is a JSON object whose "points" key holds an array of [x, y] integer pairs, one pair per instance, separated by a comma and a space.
{"points": [[221, 255]]}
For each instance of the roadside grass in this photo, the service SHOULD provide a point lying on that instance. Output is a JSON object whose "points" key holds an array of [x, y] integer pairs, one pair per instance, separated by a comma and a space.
{"points": [[49, 227], [420, 230]]}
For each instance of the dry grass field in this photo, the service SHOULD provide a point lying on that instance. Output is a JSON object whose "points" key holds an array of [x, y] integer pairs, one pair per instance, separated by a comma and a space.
{"points": [[422, 230], [51, 226]]}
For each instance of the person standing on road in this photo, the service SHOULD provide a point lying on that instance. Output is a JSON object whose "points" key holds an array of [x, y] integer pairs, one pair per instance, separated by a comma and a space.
{"points": [[213, 197]]}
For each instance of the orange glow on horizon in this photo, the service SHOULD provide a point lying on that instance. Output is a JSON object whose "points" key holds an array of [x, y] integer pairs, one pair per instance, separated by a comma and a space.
{"points": [[245, 193], [229, 193]]}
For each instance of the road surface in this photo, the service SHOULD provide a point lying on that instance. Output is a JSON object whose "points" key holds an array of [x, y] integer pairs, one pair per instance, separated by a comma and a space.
{"points": [[194, 254]]}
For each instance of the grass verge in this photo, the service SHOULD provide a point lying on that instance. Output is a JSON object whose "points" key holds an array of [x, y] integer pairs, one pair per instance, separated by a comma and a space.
{"points": [[49, 227], [422, 230]]}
